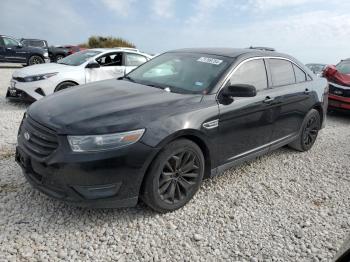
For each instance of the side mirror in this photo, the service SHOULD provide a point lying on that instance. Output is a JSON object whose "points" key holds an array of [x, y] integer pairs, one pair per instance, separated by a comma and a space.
{"points": [[236, 90], [19, 45], [93, 64]]}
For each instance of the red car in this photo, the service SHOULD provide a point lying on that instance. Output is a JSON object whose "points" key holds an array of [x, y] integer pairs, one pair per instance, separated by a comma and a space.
{"points": [[339, 85], [73, 49]]}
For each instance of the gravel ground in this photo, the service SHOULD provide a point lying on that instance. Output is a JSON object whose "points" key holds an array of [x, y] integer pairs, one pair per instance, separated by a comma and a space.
{"points": [[285, 206]]}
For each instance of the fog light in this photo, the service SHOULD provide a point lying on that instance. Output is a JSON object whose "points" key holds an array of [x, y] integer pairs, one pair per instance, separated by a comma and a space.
{"points": [[97, 192]]}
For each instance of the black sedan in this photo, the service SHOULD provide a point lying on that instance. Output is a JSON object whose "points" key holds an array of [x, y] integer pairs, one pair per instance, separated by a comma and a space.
{"points": [[157, 132]]}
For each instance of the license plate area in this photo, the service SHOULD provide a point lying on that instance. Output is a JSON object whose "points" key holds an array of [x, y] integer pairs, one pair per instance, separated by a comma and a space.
{"points": [[25, 163]]}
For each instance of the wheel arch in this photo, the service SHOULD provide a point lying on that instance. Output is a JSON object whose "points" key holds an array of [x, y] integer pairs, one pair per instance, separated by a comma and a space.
{"points": [[193, 135], [320, 110], [66, 81]]}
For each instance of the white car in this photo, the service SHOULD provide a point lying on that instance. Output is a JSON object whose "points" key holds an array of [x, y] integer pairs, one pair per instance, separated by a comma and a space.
{"points": [[34, 82]]}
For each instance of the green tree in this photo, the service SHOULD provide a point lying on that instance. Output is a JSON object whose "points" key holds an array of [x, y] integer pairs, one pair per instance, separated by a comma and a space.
{"points": [[106, 42]]}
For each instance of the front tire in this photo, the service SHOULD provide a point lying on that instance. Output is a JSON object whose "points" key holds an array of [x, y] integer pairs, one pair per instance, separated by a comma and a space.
{"points": [[174, 176], [309, 131], [64, 85], [34, 60]]}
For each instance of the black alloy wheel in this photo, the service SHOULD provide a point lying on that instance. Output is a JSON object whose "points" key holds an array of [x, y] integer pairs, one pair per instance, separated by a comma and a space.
{"points": [[34, 60], [174, 176], [178, 176], [309, 131]]}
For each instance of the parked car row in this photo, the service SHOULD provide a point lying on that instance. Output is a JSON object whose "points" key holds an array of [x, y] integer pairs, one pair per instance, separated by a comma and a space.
{"points": [[34, 82], [13, 51], [32, 51]]}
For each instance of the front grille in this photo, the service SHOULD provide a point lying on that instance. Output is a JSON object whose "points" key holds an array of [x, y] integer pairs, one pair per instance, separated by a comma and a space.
{"points": [[339, 91], [19, 79], [38, 139]]}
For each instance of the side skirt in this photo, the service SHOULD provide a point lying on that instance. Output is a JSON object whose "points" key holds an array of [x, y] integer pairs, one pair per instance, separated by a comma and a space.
{"points": [[258, 152]]}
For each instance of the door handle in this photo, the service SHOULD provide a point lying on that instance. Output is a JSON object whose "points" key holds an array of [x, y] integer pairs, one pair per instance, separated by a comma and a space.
{"points": [[307, 91], [268, 100], [9, 48]]}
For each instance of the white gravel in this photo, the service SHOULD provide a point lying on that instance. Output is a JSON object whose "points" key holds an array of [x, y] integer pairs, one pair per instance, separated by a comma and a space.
{"points": [[285, 206]]}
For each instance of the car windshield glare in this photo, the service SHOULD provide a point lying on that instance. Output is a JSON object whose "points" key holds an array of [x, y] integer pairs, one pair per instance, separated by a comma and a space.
{"points": [[191, 73], [78, 58]]}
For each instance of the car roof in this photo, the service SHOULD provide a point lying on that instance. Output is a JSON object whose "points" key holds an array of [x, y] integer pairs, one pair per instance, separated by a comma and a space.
{"points": [[32, 39], [231, 52], [120, 49]]}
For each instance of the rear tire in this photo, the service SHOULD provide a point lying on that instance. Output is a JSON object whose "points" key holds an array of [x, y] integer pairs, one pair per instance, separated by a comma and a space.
{"points": [[35, 59], [58, 57], [174, 176], [309, 131], [64, 85]]}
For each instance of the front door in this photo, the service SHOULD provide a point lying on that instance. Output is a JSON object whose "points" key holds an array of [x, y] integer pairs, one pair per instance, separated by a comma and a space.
{"points": [[246, 125], [13, 51], [2, 50], [111, 66]]}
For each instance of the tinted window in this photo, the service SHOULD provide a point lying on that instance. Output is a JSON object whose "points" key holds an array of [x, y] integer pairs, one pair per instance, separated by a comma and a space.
{"points": [[37, 43], [300, 76], [134, 60], [252, 73], [10, 42], [110, 59], [282, 72]]}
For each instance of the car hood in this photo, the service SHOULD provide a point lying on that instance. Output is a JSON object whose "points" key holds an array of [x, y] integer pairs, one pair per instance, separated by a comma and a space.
{"points": [[108, 106], [42, 69]]}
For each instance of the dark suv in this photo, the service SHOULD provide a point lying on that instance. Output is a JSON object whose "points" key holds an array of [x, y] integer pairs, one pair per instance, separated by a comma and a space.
{"points": [[157, 132], [12, 51], [55, 53]]}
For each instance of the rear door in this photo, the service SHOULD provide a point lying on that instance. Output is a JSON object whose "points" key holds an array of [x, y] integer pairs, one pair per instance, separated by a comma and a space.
{"points": [[13, 51], [132, 61], [293, 99], [246, 125], [111, 67]]}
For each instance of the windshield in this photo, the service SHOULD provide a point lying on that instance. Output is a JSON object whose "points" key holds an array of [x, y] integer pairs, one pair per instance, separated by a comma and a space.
{"points": [[182, 72], [344, 67], [78, 58]]}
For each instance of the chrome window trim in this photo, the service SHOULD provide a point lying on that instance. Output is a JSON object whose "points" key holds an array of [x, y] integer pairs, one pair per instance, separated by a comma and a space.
{"points": [[228, 75]]}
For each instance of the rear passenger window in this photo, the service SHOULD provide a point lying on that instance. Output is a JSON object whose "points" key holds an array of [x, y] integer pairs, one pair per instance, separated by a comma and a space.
{"points": [[135, 60], [252, 73], [282, 72], [300, 75]]}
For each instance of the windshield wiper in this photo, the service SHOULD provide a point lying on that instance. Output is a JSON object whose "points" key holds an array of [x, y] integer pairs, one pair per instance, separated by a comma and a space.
{"points": [[128, 78]]}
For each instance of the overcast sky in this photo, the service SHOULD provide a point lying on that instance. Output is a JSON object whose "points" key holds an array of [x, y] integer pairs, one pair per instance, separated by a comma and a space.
{"points": [[310, 30]]}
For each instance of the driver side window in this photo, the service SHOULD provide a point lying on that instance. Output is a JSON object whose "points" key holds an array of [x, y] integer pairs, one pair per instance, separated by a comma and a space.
{"points": [[251, 73], [10, 42], [111, 59]]}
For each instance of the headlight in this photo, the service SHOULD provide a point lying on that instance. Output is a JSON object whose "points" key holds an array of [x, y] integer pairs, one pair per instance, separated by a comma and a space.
{"points": [[39, 77], [46, 54], [104, 142]]}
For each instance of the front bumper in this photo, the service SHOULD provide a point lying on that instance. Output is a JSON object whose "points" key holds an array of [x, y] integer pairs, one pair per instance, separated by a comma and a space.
{"points": [[339, 96], [18, 95], [338, 102], [98, 180], [30, 91]]}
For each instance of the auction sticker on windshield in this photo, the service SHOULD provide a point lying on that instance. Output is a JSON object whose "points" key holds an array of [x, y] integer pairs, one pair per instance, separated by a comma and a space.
{"points": [[210, 60]]}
